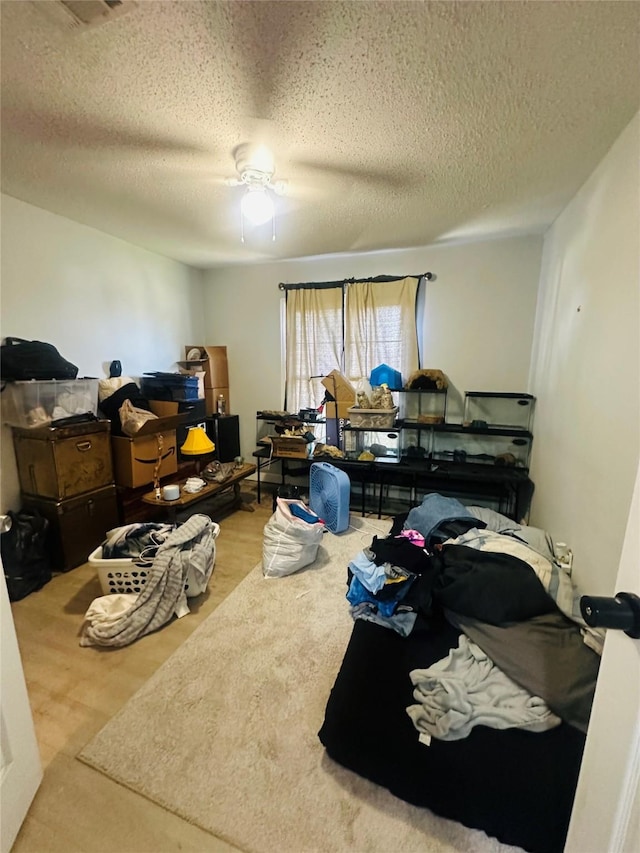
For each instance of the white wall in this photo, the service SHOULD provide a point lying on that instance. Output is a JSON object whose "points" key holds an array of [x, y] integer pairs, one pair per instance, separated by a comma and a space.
{"points": [[479, 317], [95, 297], [586, 367]]}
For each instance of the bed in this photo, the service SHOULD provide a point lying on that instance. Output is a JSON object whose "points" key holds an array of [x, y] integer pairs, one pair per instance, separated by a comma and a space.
{"points": [[475, 703]]}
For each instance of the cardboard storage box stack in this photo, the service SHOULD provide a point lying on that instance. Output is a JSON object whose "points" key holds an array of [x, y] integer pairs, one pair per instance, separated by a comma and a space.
{"points": [[213, 361]]}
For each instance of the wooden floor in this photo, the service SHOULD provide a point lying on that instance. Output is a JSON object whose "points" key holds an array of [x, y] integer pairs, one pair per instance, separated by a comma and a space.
{"points": [[74, 691]]}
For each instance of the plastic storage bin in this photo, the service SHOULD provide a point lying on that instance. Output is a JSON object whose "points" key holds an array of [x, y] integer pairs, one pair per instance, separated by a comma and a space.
{"points": [[508, 448], [122, 575], [383, 444], [372, 418], [501, 410], [37, 403], [421, 406], [169, 386]]}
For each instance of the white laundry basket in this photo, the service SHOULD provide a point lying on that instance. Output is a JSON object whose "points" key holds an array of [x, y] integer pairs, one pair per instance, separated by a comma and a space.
{"points": [[122, 574]]}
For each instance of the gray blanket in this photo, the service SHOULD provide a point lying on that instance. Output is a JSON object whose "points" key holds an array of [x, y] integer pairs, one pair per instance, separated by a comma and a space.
{"points": [[191, 545]]}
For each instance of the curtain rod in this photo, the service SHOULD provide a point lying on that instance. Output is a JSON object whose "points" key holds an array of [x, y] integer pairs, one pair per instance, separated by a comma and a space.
{"points": [[326, 284]]}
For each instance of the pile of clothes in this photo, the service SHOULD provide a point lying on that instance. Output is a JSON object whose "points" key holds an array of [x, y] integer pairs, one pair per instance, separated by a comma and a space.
{"points": [[525, 657], [171, 553]]}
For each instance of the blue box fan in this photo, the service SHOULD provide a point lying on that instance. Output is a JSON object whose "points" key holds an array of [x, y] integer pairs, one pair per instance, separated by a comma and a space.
{"points": [[329, 492]]}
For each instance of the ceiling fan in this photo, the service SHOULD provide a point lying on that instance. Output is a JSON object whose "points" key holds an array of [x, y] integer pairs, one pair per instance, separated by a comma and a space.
{"points": [[255, 167]]}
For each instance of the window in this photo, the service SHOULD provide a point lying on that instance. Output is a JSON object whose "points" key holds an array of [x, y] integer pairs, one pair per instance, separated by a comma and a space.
{"points": [[353, 326]]}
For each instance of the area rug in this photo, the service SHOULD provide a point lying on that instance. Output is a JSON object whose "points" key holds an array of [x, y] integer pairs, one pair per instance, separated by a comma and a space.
{"points": [[224, 734]]}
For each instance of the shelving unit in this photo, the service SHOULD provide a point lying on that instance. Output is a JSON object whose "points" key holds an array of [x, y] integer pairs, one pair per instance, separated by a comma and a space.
{"points": [[484, 459]]}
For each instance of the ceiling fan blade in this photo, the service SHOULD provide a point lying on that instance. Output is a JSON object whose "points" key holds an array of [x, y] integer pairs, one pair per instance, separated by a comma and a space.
{"points": [[258, 130], [398, 180], [59, 129], [267, 37]]}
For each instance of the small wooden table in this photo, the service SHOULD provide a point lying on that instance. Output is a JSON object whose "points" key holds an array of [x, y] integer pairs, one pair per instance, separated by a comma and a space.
{"points": [[207, 491]]}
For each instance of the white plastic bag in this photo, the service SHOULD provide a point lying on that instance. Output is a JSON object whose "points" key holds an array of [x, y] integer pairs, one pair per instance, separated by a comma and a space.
{"points": [[290, 543], [132, 418]]}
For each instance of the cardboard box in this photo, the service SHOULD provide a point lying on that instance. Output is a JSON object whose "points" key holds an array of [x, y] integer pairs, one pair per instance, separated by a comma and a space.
{"points": [[211, 397], [290, 447], [213, 360], [192, 410], [342, 411], [340, 388], [135, 459]]}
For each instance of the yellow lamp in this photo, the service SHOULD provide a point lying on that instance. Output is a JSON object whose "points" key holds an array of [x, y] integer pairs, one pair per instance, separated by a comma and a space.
{"points": [[197, 443]]}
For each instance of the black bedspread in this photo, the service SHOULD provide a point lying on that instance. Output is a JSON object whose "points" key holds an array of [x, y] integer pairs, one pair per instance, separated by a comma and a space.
{"points": [[515, 785]]}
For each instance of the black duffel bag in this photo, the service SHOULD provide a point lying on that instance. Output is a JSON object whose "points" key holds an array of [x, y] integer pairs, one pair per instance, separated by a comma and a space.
{"points": [[25, 555], [23, 360]]}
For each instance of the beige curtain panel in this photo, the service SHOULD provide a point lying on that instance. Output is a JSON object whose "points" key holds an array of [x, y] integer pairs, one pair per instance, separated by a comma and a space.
{"points": [[380, 327], [313, 341], [354, 328]]}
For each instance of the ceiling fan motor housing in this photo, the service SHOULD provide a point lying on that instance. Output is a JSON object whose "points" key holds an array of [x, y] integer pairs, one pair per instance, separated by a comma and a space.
{"points": [[254, 164]]}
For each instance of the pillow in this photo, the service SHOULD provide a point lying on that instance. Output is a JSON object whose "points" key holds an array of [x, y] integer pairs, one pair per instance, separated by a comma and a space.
{"points": [[537, 539], [494, 520]]}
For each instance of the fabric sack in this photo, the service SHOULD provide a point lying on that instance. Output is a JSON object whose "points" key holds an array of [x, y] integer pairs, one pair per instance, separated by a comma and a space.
{"points": [[21, 360], [289, 543], [111, 397], [25, 556]]}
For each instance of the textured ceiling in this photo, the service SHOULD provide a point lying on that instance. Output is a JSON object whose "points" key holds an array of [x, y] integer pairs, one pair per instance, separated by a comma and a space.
{"points": [[395, 124]]}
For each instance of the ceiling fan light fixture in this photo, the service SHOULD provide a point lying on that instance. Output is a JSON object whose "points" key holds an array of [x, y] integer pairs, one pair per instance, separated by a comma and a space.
{"points": [[257, 206]]}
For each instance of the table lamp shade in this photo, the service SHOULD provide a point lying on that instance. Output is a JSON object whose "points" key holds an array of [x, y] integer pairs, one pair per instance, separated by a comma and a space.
{"points": [[197, 443]]}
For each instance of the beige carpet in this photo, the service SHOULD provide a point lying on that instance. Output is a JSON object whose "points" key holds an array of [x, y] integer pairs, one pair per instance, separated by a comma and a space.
{"points": [[224, 734]]}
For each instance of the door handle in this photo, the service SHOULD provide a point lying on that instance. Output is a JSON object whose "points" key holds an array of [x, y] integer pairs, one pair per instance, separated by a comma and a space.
{"points": [[621, 612]]}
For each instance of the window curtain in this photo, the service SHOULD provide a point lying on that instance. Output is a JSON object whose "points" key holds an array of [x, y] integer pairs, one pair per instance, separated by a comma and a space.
{"points": [[314, 329], [353, 326], [380, 327]]}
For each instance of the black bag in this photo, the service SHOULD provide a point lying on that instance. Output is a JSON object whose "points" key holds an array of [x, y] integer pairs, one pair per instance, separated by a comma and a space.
{"points": [[23, 360], [287, 492], [25, 556]]}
